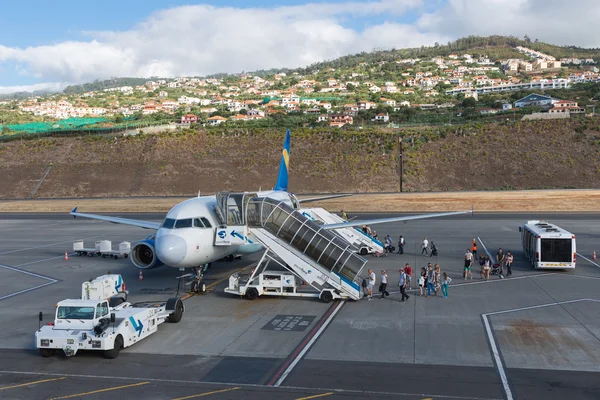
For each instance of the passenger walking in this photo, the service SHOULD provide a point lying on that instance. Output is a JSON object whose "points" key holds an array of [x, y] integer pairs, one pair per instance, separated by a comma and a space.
{"points": [[383, 285], [374, 234], [500, 260], [422, 281], [509, 261], [401, 245], [408, 271], [424, 246], [468, 265], [371, 284], [438, 276], [481, 266], [474, 249], [486, 268], [388, 244], [445, 284], [431, 281], [344, 215], [402, 284]]}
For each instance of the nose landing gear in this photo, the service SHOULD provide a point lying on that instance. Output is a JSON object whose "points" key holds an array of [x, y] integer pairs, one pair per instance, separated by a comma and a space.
{"points": [[198, 286]]}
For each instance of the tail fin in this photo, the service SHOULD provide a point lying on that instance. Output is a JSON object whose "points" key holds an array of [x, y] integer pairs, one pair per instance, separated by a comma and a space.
{"points": [[284, 165]]}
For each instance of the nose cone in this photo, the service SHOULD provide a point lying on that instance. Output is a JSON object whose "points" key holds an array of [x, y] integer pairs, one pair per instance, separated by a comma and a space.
{"points": [[171, 249]]}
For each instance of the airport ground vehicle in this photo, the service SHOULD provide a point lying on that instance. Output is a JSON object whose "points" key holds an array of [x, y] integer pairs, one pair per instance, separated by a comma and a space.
{"points": [[548, 246], [103, 320]]}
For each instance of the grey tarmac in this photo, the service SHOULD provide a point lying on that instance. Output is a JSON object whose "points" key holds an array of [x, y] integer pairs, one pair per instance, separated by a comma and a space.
{"points": [[548, 333]]}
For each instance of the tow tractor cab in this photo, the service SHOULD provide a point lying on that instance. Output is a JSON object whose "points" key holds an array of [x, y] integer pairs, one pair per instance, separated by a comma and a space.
{"points": [[92, 323]]}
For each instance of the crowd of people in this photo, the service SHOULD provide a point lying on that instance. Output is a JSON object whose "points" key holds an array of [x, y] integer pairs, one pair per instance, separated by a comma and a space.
{"points": [[432, 280]]}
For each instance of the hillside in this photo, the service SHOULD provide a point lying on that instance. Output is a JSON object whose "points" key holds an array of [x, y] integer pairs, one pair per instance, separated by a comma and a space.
{"points": [[522, 155]]}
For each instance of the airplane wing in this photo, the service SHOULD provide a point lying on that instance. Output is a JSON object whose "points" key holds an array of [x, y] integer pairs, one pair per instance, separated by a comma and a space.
{"points": [[392, 219], [333, 196], [117, 220]]}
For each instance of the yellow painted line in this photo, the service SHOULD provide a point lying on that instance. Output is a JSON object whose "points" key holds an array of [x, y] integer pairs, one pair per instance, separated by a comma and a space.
{"points": [[31, 383], [206, 393], [100, 391], [315, 396]]}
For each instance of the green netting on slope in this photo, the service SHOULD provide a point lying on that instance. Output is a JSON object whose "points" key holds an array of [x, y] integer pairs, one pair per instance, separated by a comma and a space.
{"points": [[69, 123]]}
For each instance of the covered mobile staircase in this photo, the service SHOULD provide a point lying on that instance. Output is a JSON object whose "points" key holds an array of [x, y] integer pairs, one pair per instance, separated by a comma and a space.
{"points": [[318, 256]]}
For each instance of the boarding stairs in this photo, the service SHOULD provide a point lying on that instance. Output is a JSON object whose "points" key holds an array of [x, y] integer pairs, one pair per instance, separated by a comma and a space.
{"points": [[316, 255], [355, 236]]}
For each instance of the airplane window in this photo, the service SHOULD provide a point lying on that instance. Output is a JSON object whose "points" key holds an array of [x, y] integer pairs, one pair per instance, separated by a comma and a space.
{"points": [[183, 223], [198, 223], [206, 222], [168, 223]]}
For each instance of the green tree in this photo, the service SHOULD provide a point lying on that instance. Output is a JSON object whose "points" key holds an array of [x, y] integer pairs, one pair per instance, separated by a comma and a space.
{"points": [[469, 102], [118, 118]]}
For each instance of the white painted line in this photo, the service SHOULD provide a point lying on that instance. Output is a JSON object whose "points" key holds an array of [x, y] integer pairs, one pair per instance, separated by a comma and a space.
{"points": [[587, 259], [250, 385], [308, 345], [497, 359], [28, 290], [46, 259], [48, 245], [28, 273], [494, 347]]}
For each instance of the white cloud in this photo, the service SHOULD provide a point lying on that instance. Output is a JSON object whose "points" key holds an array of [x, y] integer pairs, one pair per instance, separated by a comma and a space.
{"points": [[201, 39], [553, 21]]}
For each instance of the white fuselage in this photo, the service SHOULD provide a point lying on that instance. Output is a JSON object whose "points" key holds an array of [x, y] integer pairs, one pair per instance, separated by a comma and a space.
{"points": [[186, 237]]}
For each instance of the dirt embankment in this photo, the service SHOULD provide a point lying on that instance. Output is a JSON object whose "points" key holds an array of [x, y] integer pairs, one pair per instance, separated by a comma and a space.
{"points": [[525, 155]]}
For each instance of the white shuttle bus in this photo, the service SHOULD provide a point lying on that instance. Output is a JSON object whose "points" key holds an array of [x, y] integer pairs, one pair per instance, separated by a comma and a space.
{"points": [[547, 246]]}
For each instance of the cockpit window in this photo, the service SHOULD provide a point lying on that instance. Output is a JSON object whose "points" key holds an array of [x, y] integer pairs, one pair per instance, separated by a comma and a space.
{"points": [[168, 223], [206, 222], [183, 223], [198, 223]]}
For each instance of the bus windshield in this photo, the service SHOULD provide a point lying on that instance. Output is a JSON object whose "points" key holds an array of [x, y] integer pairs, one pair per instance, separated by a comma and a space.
{"points": [[556, 250]]}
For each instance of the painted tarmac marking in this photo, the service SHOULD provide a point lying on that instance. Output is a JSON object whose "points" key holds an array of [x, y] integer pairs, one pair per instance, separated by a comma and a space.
{"points": [[207, 393], [587, 259], [44, 260], [304, 346], [47, 245], [32, 383], [249, 385], [51, 281], [315, 396], [99, 391], [497, 357]]}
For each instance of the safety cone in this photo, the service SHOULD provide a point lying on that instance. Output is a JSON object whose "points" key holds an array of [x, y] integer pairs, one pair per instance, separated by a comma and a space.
{"points": [[66, 256], [594, 255], [141, 278]]}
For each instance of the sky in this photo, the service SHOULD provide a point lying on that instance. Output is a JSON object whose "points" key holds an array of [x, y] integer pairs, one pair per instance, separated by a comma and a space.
{"points": [[49, 45]]}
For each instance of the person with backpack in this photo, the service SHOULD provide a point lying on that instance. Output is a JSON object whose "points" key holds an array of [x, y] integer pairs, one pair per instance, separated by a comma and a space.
{"points": [[408, 271], [402, 284], [430, 281], [401, 245], [500, 260]]}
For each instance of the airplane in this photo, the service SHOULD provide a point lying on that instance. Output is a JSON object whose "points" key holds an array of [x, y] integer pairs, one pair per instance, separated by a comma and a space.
{"points": [[186, 237]]}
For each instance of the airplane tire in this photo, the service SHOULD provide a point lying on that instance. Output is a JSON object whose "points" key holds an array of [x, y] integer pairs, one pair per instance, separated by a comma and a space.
{"points": [[251, 293], [114, 352], [326, 297]]}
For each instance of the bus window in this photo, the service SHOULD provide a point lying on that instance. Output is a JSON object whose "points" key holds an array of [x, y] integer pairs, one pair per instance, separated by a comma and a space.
{"points": [[556, 250]]}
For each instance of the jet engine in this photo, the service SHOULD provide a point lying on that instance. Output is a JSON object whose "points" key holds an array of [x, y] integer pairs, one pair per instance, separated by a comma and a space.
{"points": [[143, 254]]}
